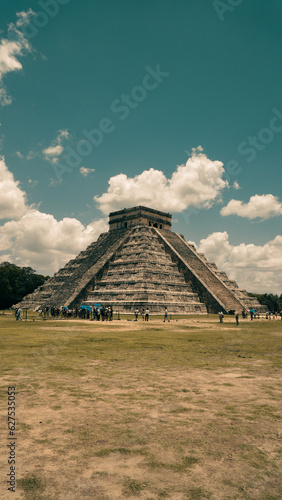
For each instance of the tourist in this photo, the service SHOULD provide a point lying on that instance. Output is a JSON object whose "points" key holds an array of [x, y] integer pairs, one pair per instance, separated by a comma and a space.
{"points": [[221, 316], [143, 314], [98, 312], [18, 314], [103, 312], [110, 313], [237, 317], [136, 314], [166, 315], [147, 312]]}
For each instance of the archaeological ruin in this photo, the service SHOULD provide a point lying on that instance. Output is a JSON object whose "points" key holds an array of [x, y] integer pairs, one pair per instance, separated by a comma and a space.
{"points": [[141, 263]]}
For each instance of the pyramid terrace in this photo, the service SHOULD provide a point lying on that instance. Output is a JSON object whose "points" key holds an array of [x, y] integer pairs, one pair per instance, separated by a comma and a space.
{"points": [[140, 263]]}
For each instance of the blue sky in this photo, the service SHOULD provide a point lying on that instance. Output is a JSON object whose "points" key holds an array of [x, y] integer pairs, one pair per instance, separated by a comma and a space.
{"points": [[183, 101]]}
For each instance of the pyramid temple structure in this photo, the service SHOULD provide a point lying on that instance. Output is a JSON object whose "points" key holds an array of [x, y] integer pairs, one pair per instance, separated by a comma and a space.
{"points": [[141, 263]]}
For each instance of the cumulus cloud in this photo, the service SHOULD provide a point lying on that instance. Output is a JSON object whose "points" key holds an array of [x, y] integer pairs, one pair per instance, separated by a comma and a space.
{"points": [[12, 198], [259, 206], [256, 268], [86, 171], [44, 243], [10, 50], [198, 183], [53, 152], [37, 239]]}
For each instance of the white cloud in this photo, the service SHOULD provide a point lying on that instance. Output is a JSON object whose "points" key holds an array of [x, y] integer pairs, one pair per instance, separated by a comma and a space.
{"points": [[259, 206], [53, 152], [44, 243], [63, 134], [86, 171], [30, 156], [5, 258], [37, 239], [236, 185], [257, 268], [23, 17], [198, 184], [10, 51], [12, 198]]}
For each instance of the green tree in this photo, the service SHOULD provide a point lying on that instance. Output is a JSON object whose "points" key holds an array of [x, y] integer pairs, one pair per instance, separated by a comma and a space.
{"points": [[280, 302], [273, 302], [16, 282]]}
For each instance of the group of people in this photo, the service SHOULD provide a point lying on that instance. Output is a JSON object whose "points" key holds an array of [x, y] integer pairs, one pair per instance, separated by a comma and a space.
{"points": [[145, 313], [274, 315], [93, 313], [105, 313], [253, 315], [268, 315]]}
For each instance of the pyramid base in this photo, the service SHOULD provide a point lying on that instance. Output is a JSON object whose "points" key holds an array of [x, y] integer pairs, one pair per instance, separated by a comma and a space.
{"points": [[129, 307]]}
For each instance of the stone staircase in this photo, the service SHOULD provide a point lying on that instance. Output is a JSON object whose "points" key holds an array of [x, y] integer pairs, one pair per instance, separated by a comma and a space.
{"points": [[142, 275], [241, 294], [205, 277], [68, 286]]}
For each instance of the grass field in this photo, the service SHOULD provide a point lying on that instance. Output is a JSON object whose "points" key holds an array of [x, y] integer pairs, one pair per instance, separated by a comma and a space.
{"points": [[189, 409]]}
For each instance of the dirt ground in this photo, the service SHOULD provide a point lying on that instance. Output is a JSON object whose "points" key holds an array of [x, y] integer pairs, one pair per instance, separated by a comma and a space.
{"points": [[185, 410]]}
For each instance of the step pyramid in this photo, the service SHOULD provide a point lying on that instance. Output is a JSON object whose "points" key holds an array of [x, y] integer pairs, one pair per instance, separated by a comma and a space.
{"points": [[141, 263], [143, 273]]}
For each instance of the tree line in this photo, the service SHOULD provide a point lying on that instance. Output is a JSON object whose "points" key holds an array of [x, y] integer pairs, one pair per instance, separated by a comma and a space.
{"points": [[16, 282], [273, 302]]}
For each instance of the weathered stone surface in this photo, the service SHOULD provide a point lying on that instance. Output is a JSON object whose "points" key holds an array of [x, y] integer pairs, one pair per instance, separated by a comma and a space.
{"points": [[213, 286], [130, 217], [141, 263], [142, 274]]}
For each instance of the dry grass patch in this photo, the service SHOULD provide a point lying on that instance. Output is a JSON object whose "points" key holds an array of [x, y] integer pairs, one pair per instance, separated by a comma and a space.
{"points": [[186, 409]]}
